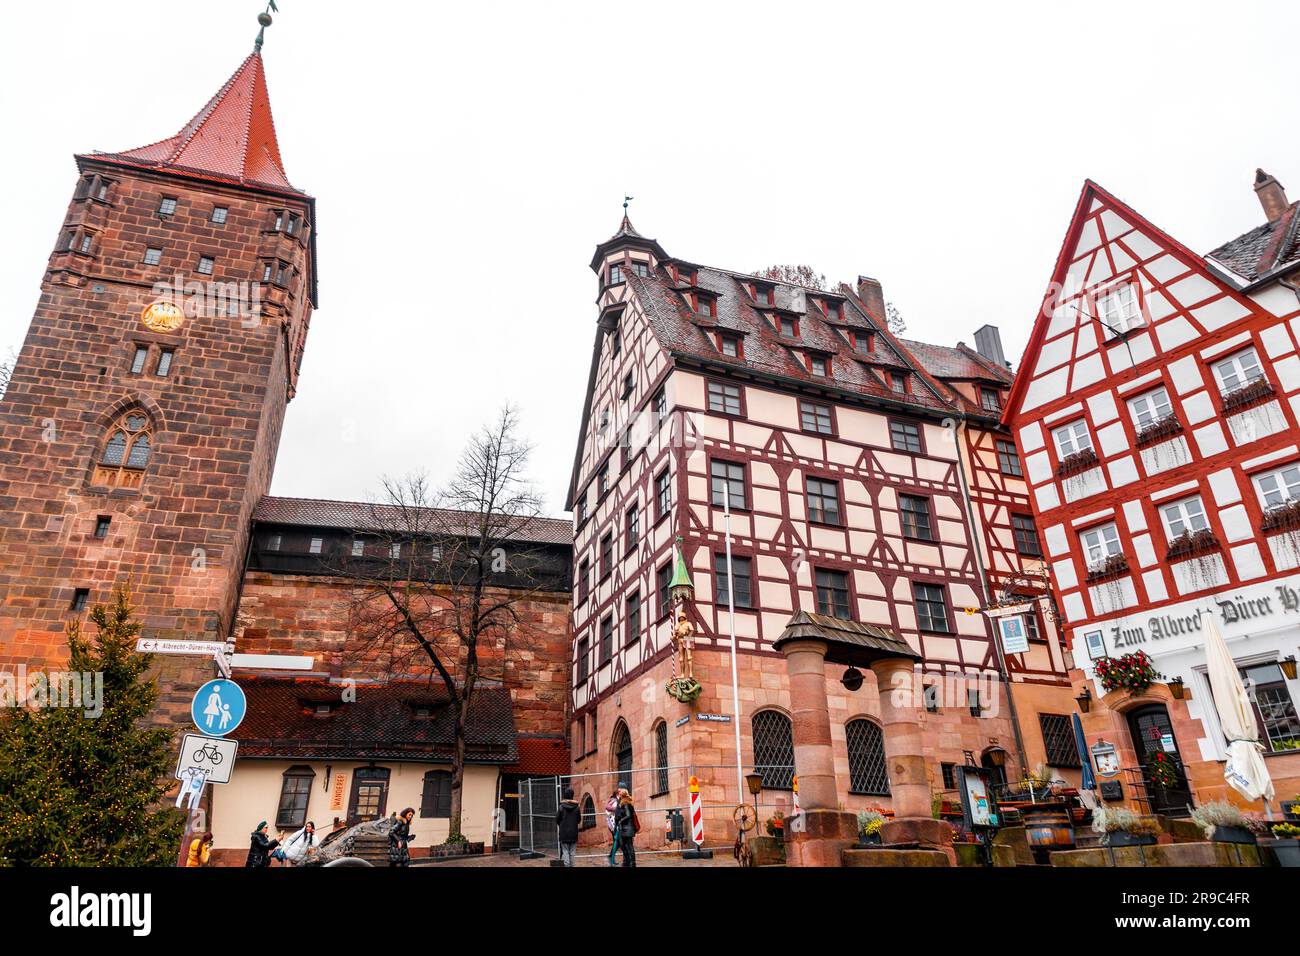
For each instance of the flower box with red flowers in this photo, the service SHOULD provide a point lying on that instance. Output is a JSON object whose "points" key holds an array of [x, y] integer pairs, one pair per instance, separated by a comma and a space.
{"points": [[1132, 672], [1080, 461]]}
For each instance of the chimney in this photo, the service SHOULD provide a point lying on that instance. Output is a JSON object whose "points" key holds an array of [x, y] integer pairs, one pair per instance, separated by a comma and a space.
{"points": [[1271, 195], [873, 296], [988, 342]]}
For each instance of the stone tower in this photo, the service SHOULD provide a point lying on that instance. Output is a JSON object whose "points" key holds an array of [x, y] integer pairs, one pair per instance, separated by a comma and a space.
{"points": [[141, 424]]}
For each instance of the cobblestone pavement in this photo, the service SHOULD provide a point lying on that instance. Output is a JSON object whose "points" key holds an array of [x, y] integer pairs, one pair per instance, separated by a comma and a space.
{"points": [[721, 857]]}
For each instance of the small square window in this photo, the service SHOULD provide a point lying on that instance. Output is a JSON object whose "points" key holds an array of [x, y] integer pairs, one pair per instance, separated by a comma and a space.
{"points": [[815, 417], [898, 383], [80, 598], [1072, 438], [915, 512], [102, 524], [273, 542], [165, 362], [152, 256], [86, 241], [818, 365], [905, 436], [990, 400], [206, 265], [167, 207], [1009, 459], [219, 214], [137, 363], [724, 398], [1237, 370], [317, 544], [788, 327], [730, 345], [358, 547]]}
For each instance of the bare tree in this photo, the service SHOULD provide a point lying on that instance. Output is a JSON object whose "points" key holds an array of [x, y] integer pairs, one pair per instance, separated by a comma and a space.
{"points": [[806, 276], [894, 319], [6, 370], [441, 576]]}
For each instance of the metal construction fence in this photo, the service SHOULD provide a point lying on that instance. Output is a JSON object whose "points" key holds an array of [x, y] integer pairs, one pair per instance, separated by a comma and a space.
{"points": [[662, 799]]}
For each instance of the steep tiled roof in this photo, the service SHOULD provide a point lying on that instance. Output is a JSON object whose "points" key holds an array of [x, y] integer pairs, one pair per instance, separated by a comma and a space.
{"points": [[543, 756], [232, 139], [363, 516], [941, 361], [381, 724], [684, 333], [1263, 249]]}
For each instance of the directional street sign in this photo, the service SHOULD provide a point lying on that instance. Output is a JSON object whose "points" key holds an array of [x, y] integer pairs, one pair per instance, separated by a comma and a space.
{"points": [[154, 645], [218, 707], [211, 757]]}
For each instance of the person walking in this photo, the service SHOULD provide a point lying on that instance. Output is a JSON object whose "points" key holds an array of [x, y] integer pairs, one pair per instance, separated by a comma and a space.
{"points": [[298, 847], [567, 818], [261, 847], [628, 825], [200, 850], [399, 839], [611, 808]]}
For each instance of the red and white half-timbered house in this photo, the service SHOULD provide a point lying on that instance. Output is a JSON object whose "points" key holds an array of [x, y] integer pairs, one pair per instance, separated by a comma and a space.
{"points": [[1156, 413], [868, 478]]}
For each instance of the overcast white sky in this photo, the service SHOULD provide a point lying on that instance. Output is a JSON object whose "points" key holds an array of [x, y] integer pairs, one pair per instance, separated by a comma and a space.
{"points": [[467, 158]]}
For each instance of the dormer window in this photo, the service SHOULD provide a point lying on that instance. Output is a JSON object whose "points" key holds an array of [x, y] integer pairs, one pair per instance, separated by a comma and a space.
{"points": [[421, 711], [788, 327], [615, 274], [763, 294], [898, 382], [863, 342], [706, 305], [323, 710], [1118, 310], [833, 311], [685, 275], [990, 400], [729, 345], [819, 365]]}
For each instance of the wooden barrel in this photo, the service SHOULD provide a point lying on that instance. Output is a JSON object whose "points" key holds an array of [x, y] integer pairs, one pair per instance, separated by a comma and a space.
{"points": [[1047, 826]]}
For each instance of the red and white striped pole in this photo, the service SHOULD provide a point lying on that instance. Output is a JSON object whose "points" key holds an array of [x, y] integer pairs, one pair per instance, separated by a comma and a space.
{"points": [[797, 811], [697, 814]]}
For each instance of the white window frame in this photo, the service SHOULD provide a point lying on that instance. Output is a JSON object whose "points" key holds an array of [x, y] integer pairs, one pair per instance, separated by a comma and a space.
{"points": [[317, 545], [1277, 485], [1238, 365], [1119, 310], [1154, 403], [358, 547], [1184, 515], [1100, 543], [1072, 438]]}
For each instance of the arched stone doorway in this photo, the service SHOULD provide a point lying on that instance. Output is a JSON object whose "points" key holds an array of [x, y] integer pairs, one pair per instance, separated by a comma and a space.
{"points": [[1152, 732]]}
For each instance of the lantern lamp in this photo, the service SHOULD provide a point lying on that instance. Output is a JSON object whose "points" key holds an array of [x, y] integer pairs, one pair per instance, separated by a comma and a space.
{"points": [[754, 781], [1084, 700], [852, 679], [1288, 666], [1176, 688]]}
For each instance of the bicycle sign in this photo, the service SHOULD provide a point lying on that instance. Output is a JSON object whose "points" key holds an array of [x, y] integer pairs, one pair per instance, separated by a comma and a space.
{"points": [[214, 757]]}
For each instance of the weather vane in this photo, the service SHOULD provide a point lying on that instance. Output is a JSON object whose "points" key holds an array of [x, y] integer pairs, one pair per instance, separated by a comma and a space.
{"points": [[626, 200], [264, 18]]}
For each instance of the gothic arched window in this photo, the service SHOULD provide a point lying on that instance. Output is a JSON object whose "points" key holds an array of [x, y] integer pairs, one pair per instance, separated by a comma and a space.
{"points": [[623, 755], [867, 773], [661, 758], [126, 452], [774, 749]]}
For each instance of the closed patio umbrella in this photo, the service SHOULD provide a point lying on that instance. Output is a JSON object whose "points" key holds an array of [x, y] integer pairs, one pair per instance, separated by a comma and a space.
{"points": [[1085, 758], [1245, 770]]}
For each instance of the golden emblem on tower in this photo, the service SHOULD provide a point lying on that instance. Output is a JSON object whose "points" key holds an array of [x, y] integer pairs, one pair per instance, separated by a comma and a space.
{"points": [[162, 316]]}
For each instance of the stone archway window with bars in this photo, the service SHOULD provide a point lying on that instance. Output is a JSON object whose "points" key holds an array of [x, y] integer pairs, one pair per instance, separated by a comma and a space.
{"points": [[661, 759], [867, 771], [774, 749], [126, 453]]}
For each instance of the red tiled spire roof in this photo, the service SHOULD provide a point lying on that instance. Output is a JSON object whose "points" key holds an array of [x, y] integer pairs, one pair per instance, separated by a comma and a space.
{"points": [[232, 139]]}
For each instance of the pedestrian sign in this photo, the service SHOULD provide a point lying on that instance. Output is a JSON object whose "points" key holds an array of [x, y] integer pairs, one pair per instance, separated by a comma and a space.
{"points": [[218, 707], [211, 758]]}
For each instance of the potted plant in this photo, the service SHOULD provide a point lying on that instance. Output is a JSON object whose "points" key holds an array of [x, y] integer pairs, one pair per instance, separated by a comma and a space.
{"points": [[1118, 826], [775, 825], [1291, 809], [1223, 822], [1286, 844], [869, 824], [1133, 672]]}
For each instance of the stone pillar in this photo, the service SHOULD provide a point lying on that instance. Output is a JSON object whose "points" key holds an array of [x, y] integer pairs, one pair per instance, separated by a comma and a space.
{"points": [[821, 832], [909, 788]]}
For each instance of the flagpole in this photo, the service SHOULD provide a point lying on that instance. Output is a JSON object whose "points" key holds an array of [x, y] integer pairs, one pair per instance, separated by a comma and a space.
{"points": [[731, 629]]}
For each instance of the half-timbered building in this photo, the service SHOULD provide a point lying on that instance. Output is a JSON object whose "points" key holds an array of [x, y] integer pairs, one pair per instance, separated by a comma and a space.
{"points": [[1155, 412], [867, 478]]}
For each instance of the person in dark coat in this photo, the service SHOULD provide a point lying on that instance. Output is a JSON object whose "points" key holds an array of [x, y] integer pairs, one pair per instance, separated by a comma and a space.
{"points": [[627, 825], [260, 847], [567, 818], [399, 839]]}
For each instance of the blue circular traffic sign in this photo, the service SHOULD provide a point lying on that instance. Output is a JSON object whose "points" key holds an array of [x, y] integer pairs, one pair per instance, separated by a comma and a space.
{"points": [[218, 707]]}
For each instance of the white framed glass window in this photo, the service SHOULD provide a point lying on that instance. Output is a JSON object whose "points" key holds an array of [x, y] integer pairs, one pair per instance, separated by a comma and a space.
{"points": [[1279, 486], [1238, 369], [1118, 310], [1072, 438], [316, 545], [1187, 515], [1100, 543], [1150, 407]]}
